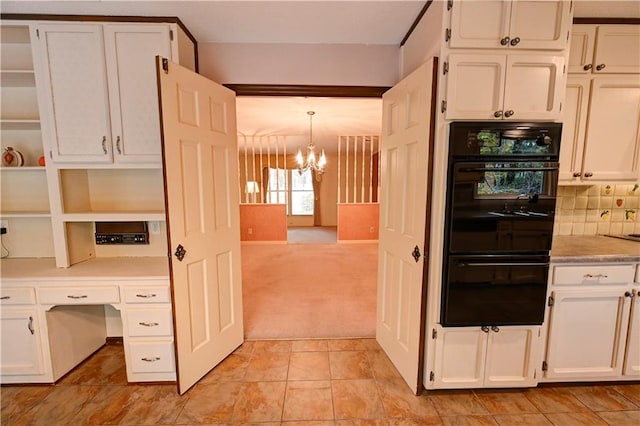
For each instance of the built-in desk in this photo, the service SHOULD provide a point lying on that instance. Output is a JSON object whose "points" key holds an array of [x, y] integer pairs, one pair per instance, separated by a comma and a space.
{"points": [[53, 318]]}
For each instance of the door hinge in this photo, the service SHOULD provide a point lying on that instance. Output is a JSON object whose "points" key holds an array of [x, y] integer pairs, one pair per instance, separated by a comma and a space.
{"points": [[445, 68], [560, 106], [171, 35], [434, 334], [38, 32], [443, 106], [551, 301], [165, 65], [447, 34], [564, 69], [568, 32], [51, 154], [535, 374], [449, 4], [545, 366], [432, 376]]}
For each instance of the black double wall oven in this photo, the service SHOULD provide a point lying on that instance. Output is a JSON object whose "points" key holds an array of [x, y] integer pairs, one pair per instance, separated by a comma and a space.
{"points": [[502, 183]]}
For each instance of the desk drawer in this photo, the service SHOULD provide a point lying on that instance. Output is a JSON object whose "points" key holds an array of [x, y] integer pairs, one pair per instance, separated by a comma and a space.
{"points": [[17, 296], [147, 294], [152, 357], [79, 296], [593, 274], [149, 322]]}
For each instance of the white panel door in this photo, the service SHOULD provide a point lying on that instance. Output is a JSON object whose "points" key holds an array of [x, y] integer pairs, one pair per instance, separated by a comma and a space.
{"points": [[574, 123], [21, 350], [587, 333], [201, 180], [512, 357], [612, 147], [541, 25], [131, 50], [617, 49], [460, 357], [475, 87], [407, 120], [632, 355], [74, 92], [533, 87]]}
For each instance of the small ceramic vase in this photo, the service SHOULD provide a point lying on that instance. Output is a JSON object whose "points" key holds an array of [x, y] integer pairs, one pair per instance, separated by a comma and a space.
{"points": [[12, 158]]}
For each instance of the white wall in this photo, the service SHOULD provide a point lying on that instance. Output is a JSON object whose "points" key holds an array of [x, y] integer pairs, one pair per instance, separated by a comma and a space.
{"points": [[425, 40], [307, 64]]}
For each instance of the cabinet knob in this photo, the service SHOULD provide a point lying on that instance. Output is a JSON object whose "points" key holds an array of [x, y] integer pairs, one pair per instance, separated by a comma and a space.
{"points": [[504, 41], [588, 174], [577, 174], [485, 328], [509, 113], [515, 41], [497, 114], [495, 329], [600, 67], [628, 294], [587, 67]]}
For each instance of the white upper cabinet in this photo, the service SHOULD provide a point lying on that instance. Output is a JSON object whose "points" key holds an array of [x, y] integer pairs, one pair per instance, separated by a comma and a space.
{"points": [[605, 49], [497, 87], [601, 132], [513, 24], [99, 90]]}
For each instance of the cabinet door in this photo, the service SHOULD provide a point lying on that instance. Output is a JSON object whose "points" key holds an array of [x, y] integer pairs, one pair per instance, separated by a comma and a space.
{"points": [[587, 333], [74, 92], [612, 141], [632, 354], [460, 357], [574, 123], [466, 16], [512, 356], [21, 349], [475, 87], [583, 38], [133, 92], [539, 24], [534, 87], [617, 49]]}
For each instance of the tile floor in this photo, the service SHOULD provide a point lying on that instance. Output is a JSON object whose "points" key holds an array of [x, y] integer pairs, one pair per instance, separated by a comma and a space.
{"points": [[304, 382]]}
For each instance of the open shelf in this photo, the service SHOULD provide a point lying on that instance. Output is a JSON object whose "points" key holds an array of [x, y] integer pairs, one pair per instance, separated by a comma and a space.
{"points": [[17, 78], [114, 217]]}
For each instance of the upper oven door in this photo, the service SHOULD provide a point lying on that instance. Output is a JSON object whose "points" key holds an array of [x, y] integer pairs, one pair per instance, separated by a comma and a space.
{"points": [[502, 206]]}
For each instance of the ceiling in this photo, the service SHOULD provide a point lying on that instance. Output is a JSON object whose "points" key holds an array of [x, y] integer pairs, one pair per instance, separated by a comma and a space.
{"points": [[302, 21]]}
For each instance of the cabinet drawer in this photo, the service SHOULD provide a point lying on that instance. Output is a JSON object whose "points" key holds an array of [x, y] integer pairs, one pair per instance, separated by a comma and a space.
{"points": [[79, 296], [155, 294], [149, 322], [151, 357], [593, 274], [17, 296]]}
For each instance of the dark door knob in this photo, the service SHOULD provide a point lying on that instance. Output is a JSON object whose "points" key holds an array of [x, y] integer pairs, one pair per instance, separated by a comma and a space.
{"points": [[587, 67], [504, 41], [600, 67], [515, 41]]}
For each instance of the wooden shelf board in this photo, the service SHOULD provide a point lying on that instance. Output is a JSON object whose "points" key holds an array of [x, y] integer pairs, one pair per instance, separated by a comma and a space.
{"points": [[113, 217], [24, 214], [20, 124]]}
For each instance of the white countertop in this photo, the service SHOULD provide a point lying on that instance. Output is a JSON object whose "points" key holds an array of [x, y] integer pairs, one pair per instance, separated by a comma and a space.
{"points": [[102, 269]]}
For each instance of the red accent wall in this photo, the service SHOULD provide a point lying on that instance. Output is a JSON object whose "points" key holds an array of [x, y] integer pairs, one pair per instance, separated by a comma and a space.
{"points": [[267, 222], [355, 221]]}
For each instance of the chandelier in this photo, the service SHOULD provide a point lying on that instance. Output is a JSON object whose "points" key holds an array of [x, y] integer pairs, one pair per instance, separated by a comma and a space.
{"points": [[311, 162]]}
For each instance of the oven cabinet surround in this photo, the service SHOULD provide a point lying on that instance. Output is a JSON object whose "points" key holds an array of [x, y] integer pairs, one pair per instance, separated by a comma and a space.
{"points": [[488, 86], [600, 135], [55, 318], [110, 67], [510, 24], [593, 323], [486, 357], [605, 49]]}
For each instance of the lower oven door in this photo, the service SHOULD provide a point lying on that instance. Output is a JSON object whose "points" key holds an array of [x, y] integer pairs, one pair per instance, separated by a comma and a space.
{"points": [[494, 290]]}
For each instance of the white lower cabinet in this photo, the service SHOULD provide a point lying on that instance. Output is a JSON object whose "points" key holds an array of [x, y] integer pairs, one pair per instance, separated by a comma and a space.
{"points": [[486, 357], [21, 343], [593, 324]]}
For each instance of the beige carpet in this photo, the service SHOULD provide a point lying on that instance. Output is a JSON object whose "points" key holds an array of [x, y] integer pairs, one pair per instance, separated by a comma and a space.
{"points": [[309, 291], [312, 234]]}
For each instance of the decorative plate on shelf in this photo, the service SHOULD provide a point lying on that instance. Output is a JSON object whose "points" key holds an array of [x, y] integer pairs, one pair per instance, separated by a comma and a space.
{"points": [[12, 158]]}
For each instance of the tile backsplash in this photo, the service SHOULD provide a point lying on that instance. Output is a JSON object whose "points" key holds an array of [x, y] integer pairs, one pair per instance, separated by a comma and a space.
{"points": [[598, 209]]}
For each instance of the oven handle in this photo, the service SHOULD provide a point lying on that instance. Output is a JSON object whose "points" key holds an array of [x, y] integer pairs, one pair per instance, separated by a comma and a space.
{"points": [[502, 263], [508, 169]]}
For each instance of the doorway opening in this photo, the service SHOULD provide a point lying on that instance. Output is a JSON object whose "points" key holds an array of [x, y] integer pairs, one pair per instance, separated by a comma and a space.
{"points": [[305, 284]]}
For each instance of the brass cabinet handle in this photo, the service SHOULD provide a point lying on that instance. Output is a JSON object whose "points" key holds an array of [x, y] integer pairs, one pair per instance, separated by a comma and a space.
{"points": [[104, 145], [84, 296], [146, 296], [154, 359], [149, 324], [118, 145]]}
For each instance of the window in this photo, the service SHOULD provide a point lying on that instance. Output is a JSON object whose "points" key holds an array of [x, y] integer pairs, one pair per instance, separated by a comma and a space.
{"points": [[293, 189]]}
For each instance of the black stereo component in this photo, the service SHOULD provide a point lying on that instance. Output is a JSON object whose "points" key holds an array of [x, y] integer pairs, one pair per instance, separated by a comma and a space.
{"points": [[122, 233]]}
